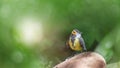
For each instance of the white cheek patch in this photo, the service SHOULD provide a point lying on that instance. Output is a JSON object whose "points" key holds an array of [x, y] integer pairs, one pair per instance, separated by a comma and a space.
{"points": [[78, 35]]}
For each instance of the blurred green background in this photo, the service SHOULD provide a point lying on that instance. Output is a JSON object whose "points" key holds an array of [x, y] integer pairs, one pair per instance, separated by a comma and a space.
{"points": [[33, 32]]}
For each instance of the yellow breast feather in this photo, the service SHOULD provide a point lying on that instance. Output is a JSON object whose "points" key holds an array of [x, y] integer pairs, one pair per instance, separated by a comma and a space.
{"points": [[76, 46]]}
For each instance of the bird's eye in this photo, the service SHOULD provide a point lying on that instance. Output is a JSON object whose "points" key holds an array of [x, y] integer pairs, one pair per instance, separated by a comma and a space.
{"points": [[73, 32]]}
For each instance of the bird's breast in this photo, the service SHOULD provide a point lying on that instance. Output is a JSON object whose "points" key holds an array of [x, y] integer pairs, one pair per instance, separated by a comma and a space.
{"points": [[76, 45]]}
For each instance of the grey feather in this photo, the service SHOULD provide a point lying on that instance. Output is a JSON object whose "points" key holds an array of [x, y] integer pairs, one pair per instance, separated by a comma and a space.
{"points": [[72, 39], [83, 44]]}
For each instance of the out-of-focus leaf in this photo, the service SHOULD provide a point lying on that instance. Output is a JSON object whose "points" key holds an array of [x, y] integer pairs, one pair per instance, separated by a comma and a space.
{"points": [[114, 65], [109, 46]]}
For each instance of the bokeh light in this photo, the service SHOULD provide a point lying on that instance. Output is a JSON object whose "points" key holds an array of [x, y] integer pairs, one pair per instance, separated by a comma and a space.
{"points": [[30, 30], [17, 57]]}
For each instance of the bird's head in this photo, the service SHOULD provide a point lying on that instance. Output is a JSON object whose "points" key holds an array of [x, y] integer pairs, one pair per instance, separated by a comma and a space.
{"points": [[76, 33]]}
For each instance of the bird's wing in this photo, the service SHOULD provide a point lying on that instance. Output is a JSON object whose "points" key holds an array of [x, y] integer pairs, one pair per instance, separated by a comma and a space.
{"points": [[72, 38], [83, 44]]}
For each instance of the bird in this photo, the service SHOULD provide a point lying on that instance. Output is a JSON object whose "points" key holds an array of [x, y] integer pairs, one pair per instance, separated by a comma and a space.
{"points": [[76, 42]]}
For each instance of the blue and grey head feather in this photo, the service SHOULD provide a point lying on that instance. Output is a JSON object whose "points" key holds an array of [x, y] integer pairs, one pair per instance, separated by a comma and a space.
{"points": [[78, 31], [78, 35]]}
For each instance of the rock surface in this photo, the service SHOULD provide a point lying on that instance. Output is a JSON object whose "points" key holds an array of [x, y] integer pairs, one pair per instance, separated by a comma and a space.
{"points": [[83, 60]]}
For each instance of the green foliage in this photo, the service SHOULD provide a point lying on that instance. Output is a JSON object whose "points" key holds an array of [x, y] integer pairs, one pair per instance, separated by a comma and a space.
{"points": [[97, 19]]}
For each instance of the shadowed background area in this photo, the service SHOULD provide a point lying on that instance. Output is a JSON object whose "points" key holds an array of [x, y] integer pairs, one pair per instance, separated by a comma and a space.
{"points": [[33, 32]]}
